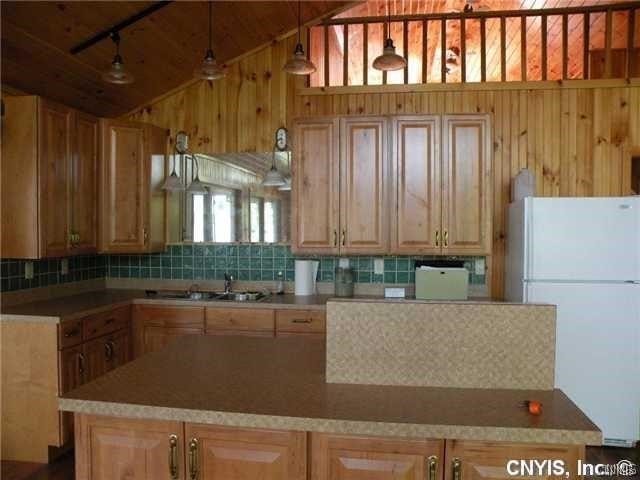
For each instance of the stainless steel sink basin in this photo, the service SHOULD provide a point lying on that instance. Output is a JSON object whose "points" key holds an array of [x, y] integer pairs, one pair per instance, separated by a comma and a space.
{"points": [[197, 295], [241, 296]]}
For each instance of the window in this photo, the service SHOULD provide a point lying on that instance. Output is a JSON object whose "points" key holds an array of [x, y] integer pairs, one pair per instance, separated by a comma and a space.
{"points": [[216, 223], [265, 220]]}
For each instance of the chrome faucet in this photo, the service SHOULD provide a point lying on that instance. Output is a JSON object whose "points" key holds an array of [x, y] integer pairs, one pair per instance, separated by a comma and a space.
{"points": [[228, 283]]}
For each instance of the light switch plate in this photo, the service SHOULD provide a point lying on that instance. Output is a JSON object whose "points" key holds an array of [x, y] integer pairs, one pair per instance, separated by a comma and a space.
{"points": [[480, 266], [28, 270], [378, 266], [343, 262], [64, 266]]}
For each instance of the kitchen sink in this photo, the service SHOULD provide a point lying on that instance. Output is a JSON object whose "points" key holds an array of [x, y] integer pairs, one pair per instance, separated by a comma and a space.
{"points": [[196, 295]]}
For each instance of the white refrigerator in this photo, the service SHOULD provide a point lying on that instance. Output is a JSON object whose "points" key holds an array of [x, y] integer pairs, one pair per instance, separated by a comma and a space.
{"points": [[583, 255]]}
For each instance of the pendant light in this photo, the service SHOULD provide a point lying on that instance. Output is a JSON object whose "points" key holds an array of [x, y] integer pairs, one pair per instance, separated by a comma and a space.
{"points": [[196, 187], [298, 64], [273, 178], [209, 68], [117, 73], [173, 183], [389, 60]]}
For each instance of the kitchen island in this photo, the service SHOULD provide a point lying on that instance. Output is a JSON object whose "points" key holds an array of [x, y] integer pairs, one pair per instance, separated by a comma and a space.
{"points": [[261, 408]]}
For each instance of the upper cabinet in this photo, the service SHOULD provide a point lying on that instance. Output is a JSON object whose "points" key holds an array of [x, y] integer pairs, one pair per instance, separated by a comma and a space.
{"points": [[132, 204], [363, 186], [49, 158], [415, 184], [339, 194], [315, 190]]}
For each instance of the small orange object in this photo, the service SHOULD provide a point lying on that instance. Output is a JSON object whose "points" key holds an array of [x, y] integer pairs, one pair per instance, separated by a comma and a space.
{"points": [[535, 407]]}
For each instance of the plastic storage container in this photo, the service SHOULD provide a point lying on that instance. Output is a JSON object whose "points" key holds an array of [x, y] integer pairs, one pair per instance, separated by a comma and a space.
{"points": [[344, 282]]}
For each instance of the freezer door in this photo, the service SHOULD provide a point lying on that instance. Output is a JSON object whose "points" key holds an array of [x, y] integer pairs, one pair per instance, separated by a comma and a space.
{"points": [[583, 239], [598, 351]]}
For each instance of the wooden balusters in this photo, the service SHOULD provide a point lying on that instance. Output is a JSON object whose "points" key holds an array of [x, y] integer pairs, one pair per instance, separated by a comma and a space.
{"points": [[565, 46], [585, 44], [443, 50], [425, 51], [405, 49], [523, 48], [365, 53], [631, 31], [345, 54], [326, 55], [543, 46], [503, 48], [483, 49], [608, 32], [463, 51]]}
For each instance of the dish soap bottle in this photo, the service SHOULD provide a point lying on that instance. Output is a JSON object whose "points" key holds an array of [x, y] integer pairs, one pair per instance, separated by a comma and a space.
{"points": [[280, 284]]}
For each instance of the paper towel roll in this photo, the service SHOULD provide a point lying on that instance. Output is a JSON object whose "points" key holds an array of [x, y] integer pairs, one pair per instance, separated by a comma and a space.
{"points": [[305, 281]]}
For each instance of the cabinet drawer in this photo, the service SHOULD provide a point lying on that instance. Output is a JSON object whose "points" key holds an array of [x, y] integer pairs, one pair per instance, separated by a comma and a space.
{"points": [[240, 319], [106, 322], [69, 333], [167, 316], [300, 321]]}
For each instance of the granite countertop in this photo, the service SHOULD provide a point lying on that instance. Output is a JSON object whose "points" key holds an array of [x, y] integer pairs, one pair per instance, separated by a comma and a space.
{"points": [[280, 383], [70, 307]]}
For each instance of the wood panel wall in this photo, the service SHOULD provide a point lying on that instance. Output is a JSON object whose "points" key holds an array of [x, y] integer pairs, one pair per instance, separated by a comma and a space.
{"points": [[578, 139]]}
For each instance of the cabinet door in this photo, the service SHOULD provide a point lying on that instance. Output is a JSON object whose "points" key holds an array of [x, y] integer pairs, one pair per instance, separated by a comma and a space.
{"points": [[488, 460], [417, 181], [221, 453], [73, 371], [54, 151], [95, 358], [466, 199], [123, 203], [110, 448], [118, 349], [156, 326], [240, 321], [84, 185], [343, 457], [364, 185], [315, 189]]}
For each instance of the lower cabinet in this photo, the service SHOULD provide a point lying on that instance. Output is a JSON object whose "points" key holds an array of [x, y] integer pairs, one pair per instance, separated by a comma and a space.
{"points": [[343, 457], [156, 326], [217, 453], [110, 448], [488, 460]]}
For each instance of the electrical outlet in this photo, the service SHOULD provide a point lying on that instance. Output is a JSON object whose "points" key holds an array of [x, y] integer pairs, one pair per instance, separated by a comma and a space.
{"points": [[28, 270], [343, 262], [378, 266], [64, 266], [480, 266]]}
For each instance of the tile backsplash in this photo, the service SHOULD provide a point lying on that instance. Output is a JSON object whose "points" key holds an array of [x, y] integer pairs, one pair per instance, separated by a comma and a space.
{"points": [[210, 262]]}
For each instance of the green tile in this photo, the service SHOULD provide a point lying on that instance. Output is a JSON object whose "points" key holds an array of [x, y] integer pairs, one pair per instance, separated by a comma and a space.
{"points": [[389, 277], [210, 274], [256, 263], [244, 250], [156, 261], [267, 251], [326, 276], [176, 273], [220, 251], [187, 262], [280, 251], [187, 273], [155, 272], [209, 263], [166, 262], [267, 263], [198, 250], [390, 264], [198, 262], [256, 275], [134, 272], [266, 275], [365, 263], [198, 274], [256, 250], [378, 278], [402, 277], [244, 275], [289, 275], [209, 251], [175, 250], [279, 263], [232, 262], [145, 272], [187, 250], [232, 250], [402, 265], [176, 262], [364, 277], [327, 263], [221, 262], [244, 262]]}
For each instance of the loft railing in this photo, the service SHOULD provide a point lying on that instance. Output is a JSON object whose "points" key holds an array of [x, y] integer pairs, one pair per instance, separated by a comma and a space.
{"points": [[599, 41]]}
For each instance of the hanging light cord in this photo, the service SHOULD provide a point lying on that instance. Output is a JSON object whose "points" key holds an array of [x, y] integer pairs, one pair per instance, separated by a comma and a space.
{"points": [[210, 30], [299, 22]]}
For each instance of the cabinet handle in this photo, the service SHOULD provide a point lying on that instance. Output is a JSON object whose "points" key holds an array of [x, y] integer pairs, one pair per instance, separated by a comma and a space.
{"points": [[335, 238], [173, 457], [344, 237], [145, 235], [437, 238], [301, 320], [193, 459], [432, 467], [81, 363], [109, 348], [77, 238], [446, 238], [456, 469]]}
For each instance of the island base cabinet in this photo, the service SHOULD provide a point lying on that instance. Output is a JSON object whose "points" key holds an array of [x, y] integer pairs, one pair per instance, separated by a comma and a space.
{"points": [[116, 448], [470, 460], [343, 457], [224, 453]]}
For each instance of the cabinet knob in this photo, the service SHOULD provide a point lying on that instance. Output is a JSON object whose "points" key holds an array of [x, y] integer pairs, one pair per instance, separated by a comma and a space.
{"points": [[173, 457]]}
